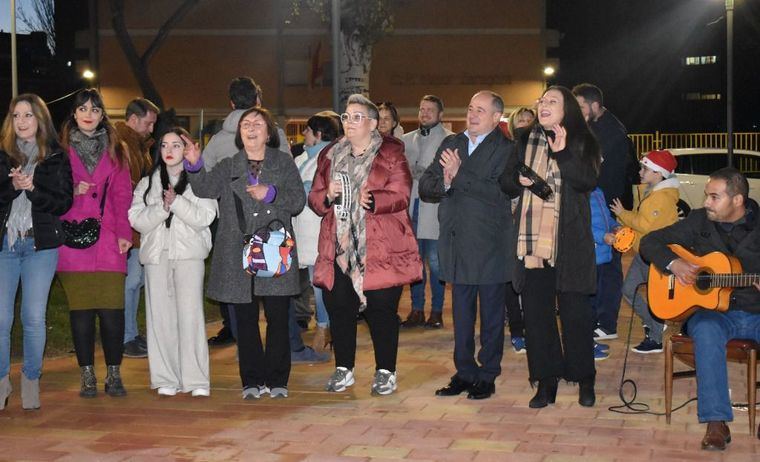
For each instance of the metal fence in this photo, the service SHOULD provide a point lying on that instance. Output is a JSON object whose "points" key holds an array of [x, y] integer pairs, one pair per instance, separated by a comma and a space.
{"points": [[645, 142]]}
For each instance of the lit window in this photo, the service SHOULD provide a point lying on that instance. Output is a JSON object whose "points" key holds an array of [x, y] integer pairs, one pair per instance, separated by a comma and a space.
{"points": [[700, 60], [696, 96]]}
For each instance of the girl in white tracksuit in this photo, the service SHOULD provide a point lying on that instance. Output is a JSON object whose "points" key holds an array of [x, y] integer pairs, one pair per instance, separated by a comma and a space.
{"points": [[175, 237]]}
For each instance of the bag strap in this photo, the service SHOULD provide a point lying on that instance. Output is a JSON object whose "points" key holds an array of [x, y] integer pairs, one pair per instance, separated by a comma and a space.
{"points": [[103, 198], [268, 226], [240, 216]]}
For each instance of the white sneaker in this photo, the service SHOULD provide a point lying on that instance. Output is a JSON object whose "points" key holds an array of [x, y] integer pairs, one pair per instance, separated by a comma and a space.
{"points": [[384, 382], [167, 391], [601, 334], [341, 379], [255, 392], [201, 392], [278, 392]]}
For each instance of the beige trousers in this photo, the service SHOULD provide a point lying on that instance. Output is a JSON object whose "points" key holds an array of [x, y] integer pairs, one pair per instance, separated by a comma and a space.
{"points": [[177, 347]]}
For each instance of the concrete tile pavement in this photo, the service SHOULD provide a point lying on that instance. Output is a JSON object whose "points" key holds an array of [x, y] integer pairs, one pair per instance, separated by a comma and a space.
{"points": [[410, 425]]}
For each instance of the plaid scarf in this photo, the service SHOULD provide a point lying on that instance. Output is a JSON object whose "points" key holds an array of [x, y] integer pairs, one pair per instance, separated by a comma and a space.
{"points": [[539, 219], [351, 234]]}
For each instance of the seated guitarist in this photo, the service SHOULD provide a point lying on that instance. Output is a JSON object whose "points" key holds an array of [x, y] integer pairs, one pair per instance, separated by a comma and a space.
{"points": [[728, 224]]}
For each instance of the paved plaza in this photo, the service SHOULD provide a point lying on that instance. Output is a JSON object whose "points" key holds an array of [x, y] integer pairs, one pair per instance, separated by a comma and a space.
{"points": [[410, 425]]}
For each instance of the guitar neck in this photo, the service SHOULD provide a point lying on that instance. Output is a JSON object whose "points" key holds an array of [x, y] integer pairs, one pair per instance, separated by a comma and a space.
{"points": [[732, 280]]}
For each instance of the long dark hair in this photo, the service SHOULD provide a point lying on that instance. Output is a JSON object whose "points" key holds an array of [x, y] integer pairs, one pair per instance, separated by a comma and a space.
{"points": [[579, 136], [92, 95], [160, 165]]}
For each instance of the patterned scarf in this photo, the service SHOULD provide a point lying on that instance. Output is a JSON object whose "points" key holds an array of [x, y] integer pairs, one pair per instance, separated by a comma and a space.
{"points": [[351, 234], [20, 219], [539, 219], [89, 148]]}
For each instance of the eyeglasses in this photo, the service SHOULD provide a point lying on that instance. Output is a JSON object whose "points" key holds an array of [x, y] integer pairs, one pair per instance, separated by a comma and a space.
{"points": [[547, 102], [355, 118], [252, 125]]}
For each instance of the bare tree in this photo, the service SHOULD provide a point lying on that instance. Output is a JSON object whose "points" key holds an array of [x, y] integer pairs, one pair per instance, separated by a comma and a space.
{"points": [[362, 24], [140, 63], [41, 18]]}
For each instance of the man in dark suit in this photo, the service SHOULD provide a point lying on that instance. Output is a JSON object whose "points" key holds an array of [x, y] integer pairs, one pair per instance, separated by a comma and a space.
{"points": [[728, 223], [474, 248]]}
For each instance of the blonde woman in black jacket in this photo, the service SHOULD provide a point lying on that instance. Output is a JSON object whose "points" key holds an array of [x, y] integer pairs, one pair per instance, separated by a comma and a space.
{"points": [[35, 189]]}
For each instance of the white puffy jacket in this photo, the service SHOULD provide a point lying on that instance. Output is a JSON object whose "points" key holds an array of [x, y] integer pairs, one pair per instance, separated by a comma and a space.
{"points": [[188, 238]]}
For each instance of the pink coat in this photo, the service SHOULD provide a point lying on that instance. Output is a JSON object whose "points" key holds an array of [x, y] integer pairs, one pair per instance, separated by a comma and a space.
{"points": [[104, 255]]}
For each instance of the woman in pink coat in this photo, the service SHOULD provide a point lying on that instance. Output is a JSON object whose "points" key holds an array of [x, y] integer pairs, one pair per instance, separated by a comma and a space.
{"points": [[93, 277]]}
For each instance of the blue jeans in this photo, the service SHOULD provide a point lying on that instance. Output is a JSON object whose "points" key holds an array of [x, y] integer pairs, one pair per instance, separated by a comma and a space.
{"points": [[428, 251], [323, 319], [35, 269], [609, 286], [132, 284], [294, 330], [711, 330]]}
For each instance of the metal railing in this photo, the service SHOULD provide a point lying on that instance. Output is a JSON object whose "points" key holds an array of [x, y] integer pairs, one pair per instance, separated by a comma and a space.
{"points": [[645, 142]]}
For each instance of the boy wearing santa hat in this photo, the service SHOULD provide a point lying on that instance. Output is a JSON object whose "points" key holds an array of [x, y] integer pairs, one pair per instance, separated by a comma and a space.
{"points": [[656, 209]]}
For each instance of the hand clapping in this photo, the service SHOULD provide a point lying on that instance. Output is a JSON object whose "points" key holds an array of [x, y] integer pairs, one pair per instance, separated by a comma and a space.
{"points": [[169, 196], [450, 162]]}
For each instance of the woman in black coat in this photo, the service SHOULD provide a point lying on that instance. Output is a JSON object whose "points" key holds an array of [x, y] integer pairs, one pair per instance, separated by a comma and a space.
{"points": [[555, 247], [35, 189]]}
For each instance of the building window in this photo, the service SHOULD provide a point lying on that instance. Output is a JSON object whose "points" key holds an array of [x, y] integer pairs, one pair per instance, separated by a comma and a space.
{"points": [[696, 96], [700, 60]]}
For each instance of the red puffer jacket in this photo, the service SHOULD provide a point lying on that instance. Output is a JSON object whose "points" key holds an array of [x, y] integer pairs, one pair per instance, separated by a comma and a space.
{"points": [[392, 256]]}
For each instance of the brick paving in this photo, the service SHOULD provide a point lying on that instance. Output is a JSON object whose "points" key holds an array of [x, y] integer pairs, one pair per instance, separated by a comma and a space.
{"points": [[410, 425]]}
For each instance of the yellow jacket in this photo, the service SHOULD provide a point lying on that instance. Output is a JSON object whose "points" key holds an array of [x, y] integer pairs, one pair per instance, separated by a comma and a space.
{"points": [[656, 210]]}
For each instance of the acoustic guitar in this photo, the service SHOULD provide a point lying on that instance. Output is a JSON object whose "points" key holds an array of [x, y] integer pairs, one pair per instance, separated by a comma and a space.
{"points": [[717, 277]]}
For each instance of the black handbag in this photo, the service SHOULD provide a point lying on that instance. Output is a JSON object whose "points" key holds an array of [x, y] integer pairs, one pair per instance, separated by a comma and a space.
{"points": [[85, 233]]}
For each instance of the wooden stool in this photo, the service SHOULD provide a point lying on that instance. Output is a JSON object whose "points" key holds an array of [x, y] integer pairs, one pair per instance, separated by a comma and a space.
{"points": [[682, 347]]}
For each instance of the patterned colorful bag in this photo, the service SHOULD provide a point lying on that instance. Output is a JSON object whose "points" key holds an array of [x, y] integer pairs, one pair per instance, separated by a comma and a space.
{"points": [[268, 252]]}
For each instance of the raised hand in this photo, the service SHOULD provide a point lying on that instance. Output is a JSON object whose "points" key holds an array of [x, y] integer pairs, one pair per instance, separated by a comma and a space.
{"points": [[560, 138], [192, 150]]}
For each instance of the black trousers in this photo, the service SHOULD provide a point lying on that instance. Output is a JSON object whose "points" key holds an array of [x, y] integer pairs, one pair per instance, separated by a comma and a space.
{"points": [[111, 335], [572, 358], [514, 313], [342, 305], [263, 365]]}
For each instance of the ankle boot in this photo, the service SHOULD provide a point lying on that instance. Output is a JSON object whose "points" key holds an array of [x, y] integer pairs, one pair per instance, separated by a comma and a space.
{"points": [[586, 396], [89, 388], [5, 390], [114, 386], [546, 394], [30, 393]]}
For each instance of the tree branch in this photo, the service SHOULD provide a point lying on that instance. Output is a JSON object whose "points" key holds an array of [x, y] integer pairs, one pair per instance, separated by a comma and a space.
{"points": [[166, 27]]}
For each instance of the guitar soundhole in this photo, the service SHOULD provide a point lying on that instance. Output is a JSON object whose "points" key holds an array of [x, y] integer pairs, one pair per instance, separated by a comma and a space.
{"points": [[703, 281]]}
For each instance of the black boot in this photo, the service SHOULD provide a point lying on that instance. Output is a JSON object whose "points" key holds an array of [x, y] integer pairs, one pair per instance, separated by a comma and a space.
{"points": [[586, 396], [546, 394], [114, 386], [89, 388]]}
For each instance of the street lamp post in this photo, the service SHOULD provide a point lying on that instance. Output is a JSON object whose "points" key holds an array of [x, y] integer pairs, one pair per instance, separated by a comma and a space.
{"points": [[14, 57], [730, 81]]}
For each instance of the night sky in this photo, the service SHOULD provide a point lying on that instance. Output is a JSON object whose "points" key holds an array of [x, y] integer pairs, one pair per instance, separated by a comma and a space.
{"points": [[633, 51]]}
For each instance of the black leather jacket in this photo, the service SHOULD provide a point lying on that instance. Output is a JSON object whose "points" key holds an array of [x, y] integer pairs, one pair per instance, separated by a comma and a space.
{"points": [[51, 198]]}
